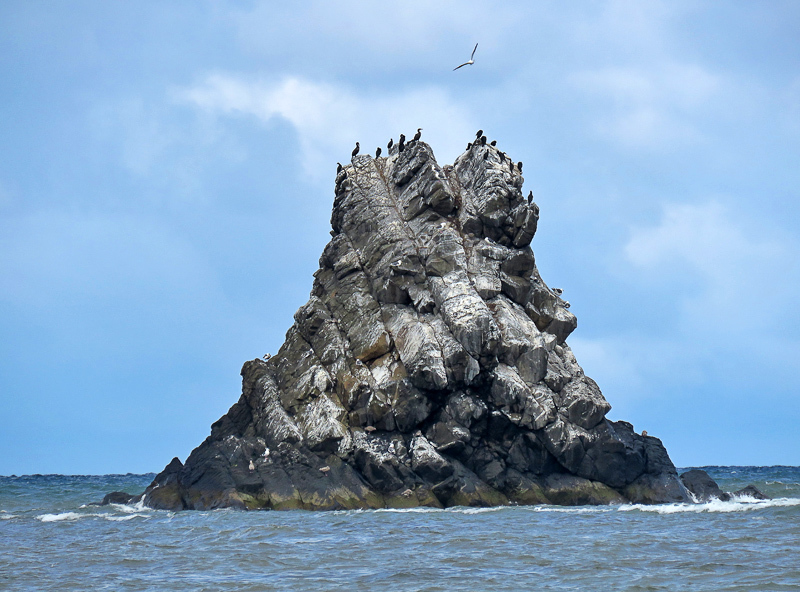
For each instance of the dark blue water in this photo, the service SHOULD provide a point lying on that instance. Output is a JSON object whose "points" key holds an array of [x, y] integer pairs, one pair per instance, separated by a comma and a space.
{"points": [[50, 540]]}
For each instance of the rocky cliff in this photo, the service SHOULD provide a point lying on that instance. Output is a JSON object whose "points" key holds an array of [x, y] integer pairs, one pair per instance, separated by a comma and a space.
{"points": [[428, 368]]}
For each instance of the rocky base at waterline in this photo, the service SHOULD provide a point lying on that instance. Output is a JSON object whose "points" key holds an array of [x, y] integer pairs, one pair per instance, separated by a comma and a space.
{"points": [[429, 367], [704, 489]]}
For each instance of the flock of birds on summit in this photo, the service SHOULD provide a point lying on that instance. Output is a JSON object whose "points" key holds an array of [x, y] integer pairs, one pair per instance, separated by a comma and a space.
{"points": [[480, 140]]}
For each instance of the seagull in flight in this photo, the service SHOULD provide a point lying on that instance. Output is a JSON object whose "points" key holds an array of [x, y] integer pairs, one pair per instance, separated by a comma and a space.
{"points": [[470, 62]]}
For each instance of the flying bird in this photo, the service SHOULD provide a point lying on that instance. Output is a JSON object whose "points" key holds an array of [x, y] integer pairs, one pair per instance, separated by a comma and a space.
{"points": [[470, 62]]}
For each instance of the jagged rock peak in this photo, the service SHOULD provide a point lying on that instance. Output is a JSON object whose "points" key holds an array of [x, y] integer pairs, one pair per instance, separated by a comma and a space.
{"points": [[429, 366]]}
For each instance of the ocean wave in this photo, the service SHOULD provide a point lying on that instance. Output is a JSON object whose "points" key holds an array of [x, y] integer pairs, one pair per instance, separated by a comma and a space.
{"points": [[124, 518], [418, 510], [739, 504], [63, 516], [572, 509], [463, 510], [130, 508], [6, 516]]}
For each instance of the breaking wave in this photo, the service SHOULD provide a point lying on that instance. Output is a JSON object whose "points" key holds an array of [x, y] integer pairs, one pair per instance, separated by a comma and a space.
{"points": [[740, 504]]}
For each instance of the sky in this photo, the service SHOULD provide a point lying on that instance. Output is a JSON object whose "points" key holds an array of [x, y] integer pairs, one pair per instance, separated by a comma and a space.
{"points": [[167, 172]]}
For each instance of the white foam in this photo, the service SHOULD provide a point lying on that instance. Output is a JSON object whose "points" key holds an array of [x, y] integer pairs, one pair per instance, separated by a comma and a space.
{"points": [[130, 508], [462, 510], [572, 509], [418, 509], [6, 516], [738, 504], [63, 516], [123, 518]]}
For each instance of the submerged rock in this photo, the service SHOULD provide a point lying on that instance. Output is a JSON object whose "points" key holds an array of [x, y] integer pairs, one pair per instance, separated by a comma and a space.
{"points": [[702, 486], [705, 489], [118, 497], [428, 368]]}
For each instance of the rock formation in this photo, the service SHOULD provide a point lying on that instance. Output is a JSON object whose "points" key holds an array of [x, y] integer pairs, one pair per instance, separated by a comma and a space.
{"points": [[428, 368]]}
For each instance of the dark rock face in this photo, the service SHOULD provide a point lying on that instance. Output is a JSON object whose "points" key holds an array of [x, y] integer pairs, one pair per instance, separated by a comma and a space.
{"points": [[750, 491], [702, 486], [117, 497], [428, 368], [705, 489]]}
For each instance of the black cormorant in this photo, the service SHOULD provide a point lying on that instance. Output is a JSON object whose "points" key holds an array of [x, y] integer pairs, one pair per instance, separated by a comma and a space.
{"points": [[483, 140], [479, 134], [390, 144], [339, 168], [493, 142], [418, 134], [519, 166], [377, 152], [355, 150]]}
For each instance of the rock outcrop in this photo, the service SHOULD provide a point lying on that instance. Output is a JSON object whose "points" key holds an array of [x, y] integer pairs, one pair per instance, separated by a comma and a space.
{"points": [[429, 367], [704, 489]]}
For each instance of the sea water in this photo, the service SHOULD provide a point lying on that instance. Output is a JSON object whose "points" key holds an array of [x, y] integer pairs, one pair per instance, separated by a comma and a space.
{"points": [[50, 539]]}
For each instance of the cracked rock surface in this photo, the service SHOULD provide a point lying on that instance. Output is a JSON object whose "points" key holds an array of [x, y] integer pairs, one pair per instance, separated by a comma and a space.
{"points": [[429, 366]]}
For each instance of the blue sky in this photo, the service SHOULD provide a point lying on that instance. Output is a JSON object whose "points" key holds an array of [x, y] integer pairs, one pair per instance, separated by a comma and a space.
{"points": [[167, 175]]}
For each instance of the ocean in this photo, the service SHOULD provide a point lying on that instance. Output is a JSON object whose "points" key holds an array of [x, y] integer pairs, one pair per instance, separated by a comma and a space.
{"points": [[50, 539]]}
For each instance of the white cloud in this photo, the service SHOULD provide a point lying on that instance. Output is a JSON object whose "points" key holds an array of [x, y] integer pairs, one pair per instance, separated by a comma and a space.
{"points": [[650, 108], [733, 273], [330, 118]]}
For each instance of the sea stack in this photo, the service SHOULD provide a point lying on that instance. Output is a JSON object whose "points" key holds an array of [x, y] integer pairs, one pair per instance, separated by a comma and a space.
{"points": [[429, 367]]}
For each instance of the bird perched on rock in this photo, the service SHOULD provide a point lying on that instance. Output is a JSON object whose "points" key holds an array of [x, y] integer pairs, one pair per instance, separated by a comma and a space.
{"points": [[566, 304], [558, 291], [471, 59], [530, 197], [519, 166], [479, 133], [378, 152], [644, 432], [483, 140], [324, 470], [390, 144], [401, 145], [251, 466], [339, 167], [355, 150], [469, 146], [493, 142], [370, 429], [418, 135]]}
